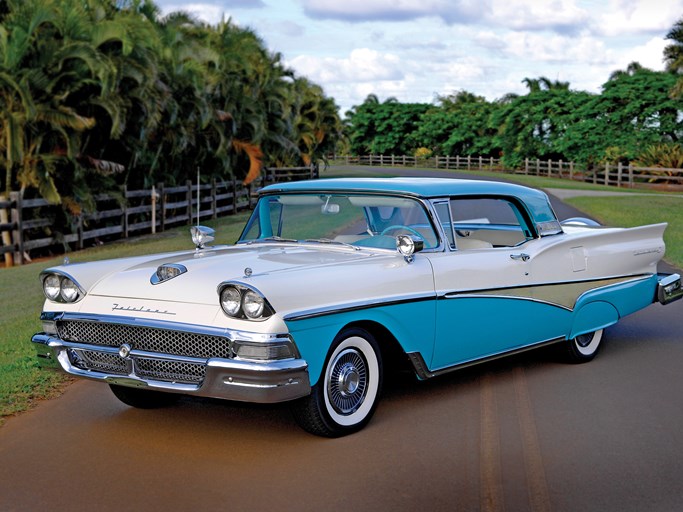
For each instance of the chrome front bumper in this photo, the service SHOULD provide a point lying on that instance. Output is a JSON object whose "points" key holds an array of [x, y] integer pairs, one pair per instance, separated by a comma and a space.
{"points": [[669, 288], [230, 379]]}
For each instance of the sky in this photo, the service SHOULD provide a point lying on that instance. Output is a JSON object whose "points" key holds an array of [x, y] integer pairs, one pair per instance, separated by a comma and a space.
{"points": [[417, 50]]}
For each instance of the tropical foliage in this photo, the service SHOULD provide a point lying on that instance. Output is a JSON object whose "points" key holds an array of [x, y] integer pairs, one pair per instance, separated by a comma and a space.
{"points": [[637, 117], [95, 94]]}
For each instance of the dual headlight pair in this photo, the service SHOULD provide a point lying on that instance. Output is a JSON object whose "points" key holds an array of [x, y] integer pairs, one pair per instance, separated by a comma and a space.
{"points": [[240, 301], [61, 288]]}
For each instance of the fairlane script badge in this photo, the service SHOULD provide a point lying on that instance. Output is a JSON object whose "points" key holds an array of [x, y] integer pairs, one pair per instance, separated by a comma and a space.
{"points": [[141, 309]]}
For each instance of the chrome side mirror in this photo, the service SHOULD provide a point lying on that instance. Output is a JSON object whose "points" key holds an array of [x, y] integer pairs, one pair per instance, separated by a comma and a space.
{"points": [[408, 245]]}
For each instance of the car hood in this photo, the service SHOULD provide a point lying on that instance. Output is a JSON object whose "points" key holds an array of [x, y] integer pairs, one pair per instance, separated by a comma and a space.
{"points": [[207, 269]]}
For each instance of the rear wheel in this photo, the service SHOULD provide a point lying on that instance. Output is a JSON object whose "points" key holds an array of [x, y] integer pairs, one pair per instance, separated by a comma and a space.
{"points": [[347, 392], [583, 348], [143, 398]]}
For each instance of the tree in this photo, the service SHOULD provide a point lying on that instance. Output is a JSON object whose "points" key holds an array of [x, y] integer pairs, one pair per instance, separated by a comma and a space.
{"points": [[633, 112], [458, 125], [673, 56]]}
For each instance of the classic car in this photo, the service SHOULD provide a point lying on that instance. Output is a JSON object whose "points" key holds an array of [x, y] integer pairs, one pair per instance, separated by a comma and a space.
{"points": [[334, 280]]}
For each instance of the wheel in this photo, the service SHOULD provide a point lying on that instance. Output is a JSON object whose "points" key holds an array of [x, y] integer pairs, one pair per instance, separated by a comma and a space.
{"points": [[397, 227], [346, 394], [143, 398], [583, 348]]}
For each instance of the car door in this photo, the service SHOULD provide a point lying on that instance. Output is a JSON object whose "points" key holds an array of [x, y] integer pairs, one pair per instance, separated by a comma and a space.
{"points": [[485, 284]]}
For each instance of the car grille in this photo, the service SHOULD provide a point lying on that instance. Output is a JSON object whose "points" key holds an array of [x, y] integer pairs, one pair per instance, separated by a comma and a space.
{"points": [[148, 339]]}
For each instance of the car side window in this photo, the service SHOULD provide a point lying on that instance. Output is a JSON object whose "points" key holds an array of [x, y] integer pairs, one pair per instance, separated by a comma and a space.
{"points": [[481, 223]]}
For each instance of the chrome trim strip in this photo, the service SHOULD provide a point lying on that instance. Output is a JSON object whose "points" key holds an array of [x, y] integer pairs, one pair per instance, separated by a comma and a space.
{"points": [[424, 373], [231, 334], [357, 306], [546, 291]]}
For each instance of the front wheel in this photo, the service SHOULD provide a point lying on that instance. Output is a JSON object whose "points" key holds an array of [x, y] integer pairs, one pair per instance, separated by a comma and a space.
{"points": [[347, 392], [583, 348]]}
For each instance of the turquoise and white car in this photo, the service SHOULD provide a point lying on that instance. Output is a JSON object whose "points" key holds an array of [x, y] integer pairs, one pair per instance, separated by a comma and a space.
{"points": [[333, 281]]}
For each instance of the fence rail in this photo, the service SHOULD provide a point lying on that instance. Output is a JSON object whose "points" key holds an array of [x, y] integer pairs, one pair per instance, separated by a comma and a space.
{"points": [[614, 175], [29, 225]]}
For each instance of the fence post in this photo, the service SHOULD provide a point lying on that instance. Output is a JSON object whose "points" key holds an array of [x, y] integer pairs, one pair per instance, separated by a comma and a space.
{"points": [[162, 195], [620, 170], [214, 202], [234, 195], [154, 209], [188, 197], [571, 170], [125, 211], [630, 175], [526, 165], [18, 231], [6, 235], [79, 229]]}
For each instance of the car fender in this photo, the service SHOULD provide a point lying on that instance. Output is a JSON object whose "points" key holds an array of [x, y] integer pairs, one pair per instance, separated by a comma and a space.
{"points": [[592, 317]]}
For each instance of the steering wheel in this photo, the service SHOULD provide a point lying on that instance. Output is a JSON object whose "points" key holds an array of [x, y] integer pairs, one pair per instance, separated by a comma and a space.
{"points": [[400, 226]]}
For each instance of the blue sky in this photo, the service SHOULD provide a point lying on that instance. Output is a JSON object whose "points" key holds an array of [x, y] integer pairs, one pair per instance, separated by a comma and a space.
{"points": [[414, 50]]}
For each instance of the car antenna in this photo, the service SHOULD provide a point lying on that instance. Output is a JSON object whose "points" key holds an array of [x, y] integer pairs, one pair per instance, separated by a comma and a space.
{"points": [[199, 204]]}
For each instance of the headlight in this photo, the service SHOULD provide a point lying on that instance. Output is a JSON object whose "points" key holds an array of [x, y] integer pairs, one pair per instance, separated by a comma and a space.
{"points": [[231, 301], [240, 301], [52, 286], [253, 304], [69, 290], [59, 287]]}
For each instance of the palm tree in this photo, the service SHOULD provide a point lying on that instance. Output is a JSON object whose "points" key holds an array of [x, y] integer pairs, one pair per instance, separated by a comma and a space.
{"points": [[673, 56]]}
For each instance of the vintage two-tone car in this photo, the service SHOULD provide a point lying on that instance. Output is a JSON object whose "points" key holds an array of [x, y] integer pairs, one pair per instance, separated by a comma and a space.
{"points": [[332, 279]]}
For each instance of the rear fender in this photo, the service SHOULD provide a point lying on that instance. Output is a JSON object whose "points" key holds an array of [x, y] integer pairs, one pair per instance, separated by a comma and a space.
{"points": [[592, 317]]}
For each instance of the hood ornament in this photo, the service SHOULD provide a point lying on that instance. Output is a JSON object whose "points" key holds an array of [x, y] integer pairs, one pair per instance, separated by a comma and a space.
{"points": [[248, 272]]}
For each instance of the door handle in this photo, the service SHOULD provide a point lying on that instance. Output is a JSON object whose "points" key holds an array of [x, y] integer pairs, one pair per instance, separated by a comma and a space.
{"points": [[521, 256]]}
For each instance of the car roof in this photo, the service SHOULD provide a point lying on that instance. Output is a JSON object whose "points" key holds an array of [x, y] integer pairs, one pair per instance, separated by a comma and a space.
{"points": [[422, 187], [536, 201]]}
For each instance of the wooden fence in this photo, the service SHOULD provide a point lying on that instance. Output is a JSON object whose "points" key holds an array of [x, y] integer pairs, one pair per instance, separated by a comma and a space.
{"points": [[29, 227], [620, 175]]}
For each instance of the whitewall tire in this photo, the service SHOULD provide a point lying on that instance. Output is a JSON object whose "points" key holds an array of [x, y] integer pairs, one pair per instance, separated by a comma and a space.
{"points": [[346, 394]]}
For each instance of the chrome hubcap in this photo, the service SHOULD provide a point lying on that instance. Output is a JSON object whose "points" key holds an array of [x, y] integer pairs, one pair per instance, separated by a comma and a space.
{"points": [[584, 340], [347, 384]]}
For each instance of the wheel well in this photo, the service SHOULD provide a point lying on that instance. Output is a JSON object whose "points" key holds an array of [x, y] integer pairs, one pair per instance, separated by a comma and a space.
{"points": [[393, 355]]}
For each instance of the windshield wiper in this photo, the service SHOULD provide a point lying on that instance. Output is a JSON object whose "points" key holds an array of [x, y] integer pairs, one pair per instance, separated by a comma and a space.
{"points": [[329, 241]]}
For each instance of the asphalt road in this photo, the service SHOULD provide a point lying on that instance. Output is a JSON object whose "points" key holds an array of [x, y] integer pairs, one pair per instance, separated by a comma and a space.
{"points": [[523, 433]]}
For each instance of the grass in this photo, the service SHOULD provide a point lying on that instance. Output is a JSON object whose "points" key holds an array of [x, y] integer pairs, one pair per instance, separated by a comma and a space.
{"points": [[23, 381]]}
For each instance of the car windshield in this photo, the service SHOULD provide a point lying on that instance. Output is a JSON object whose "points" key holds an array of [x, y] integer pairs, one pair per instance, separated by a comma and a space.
{"points": [[359, 220]]}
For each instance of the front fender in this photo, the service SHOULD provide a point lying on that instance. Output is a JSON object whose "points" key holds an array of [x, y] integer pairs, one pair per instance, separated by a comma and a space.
{"points": [[412, 324]]}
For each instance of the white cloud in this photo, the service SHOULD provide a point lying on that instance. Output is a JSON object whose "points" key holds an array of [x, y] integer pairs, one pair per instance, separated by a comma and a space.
{"points": [[649, 55], [559, 15], [534, 47], [362, 65], [395, 10], [622, 17]]}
